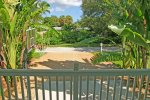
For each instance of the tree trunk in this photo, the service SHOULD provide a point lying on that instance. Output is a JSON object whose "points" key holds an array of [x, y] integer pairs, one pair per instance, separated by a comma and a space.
{"points": [[0, 40], [22, 50], [123, 51], [144, 57]]}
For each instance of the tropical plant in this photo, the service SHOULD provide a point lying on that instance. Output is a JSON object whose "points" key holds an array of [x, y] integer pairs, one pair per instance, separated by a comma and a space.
{"points": [[132, 25], [50, 37], [106, 56], [16, 16], [133, 40], [135, 35]]}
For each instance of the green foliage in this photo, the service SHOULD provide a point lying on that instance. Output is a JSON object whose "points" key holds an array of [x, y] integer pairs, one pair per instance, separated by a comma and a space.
{"points": [[96, 16], [55, 21], [16, 16], [52, 21], [76, 45], [74, 36], [135, 37], [39, 40], [33, 54], [19, 48], [51, 37], [134, 17], [98, 40], [106, 57], [0, 91], [69, 27]]}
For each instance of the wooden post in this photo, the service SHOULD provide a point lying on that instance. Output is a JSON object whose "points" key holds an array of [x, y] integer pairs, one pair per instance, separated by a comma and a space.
{"points": [[75, 82]]}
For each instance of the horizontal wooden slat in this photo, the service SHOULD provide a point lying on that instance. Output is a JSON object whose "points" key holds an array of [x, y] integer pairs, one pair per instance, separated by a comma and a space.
{"points": [[102, 78], [102, 72]]}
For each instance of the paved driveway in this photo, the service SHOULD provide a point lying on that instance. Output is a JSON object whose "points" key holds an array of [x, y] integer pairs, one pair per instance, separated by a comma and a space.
{"points": [[80, 49]]}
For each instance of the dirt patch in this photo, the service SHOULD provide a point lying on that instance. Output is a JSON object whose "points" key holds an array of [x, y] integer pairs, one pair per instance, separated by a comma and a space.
{"points": [[66, 60]]}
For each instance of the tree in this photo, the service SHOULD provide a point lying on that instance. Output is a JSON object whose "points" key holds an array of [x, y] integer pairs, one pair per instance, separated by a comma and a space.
{"points": [[55, 21], [68, 20], [16, 20], [52, 21], [96, 16], [62, 20]]}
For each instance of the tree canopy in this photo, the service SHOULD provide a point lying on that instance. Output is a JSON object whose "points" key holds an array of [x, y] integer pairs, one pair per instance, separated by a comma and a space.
{"points": [[55, 21]]}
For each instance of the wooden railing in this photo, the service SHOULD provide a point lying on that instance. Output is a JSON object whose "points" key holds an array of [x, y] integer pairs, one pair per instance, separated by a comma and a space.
{"points": [[104, 84]]}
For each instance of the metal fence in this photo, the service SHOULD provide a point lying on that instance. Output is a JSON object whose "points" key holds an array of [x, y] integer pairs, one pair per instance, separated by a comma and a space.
{"points": [[104, 84]]}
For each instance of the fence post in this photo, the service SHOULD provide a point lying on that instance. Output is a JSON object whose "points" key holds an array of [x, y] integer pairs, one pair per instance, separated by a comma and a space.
{"points": [[101, 45], [75, 82]]}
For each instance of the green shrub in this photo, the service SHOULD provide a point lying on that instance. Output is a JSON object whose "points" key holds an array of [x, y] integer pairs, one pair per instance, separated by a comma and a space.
{"points": [[74, 36], [30, 54], [115, 57], [97, 40], [33, 54], [51, 37], [39, 39]]}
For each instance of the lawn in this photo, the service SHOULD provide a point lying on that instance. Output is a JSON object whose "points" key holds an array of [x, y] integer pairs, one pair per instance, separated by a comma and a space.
{"points": [[81, 45]]}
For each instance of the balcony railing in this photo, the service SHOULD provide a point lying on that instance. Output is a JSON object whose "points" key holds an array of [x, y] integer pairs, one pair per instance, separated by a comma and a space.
{"points": [[103, 84]]}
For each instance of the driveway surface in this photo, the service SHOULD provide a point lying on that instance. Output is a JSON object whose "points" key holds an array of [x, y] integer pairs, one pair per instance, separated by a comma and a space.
{"points": [[65, 57]]}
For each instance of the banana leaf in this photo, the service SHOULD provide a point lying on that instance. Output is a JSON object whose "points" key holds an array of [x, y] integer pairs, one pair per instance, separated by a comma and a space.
{"points": [[134, 37], [117, 29]]}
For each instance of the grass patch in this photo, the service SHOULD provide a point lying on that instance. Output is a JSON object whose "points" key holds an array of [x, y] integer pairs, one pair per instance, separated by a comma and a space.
{"points": [[62, 45], [82, 45], [37, 55], [75, 45], [34, 54]]}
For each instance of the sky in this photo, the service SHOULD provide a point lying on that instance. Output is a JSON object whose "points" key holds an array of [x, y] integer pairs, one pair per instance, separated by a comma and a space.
{"points": [[66, 7]]}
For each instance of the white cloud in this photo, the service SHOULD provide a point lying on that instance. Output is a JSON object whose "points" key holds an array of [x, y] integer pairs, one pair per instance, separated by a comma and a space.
{"points": [[57, 9], [62, 5], [51, 1], [66, 2]]}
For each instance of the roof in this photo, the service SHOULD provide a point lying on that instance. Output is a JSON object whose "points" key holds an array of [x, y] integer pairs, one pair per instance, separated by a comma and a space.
{"points": [[58, 28]]}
